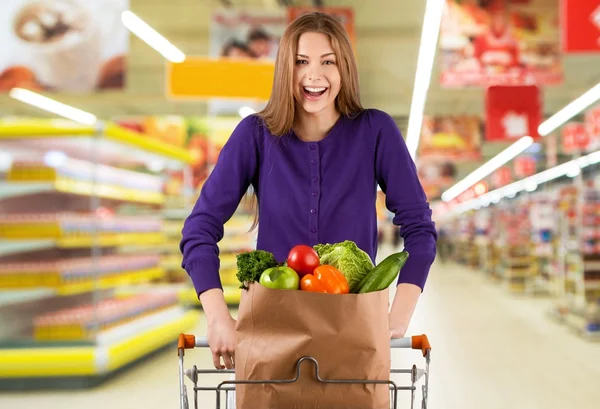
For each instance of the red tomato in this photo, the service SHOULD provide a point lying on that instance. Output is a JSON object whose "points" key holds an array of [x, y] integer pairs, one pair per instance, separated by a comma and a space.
{"points": [[303, 259]]}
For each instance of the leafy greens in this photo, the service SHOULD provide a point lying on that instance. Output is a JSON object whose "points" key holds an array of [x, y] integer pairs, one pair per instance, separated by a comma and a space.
{"points": [[347, 257]]}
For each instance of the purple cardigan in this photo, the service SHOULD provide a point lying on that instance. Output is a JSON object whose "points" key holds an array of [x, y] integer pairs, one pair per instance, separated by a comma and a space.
{"points": [[312, 192]]}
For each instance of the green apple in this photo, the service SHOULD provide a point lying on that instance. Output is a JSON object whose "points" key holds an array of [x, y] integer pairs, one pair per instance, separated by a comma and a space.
{"points": [[280, 278]]}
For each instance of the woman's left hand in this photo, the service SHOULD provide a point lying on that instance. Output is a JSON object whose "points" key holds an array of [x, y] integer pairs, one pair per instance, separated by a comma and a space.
{"points": [[398, 332], [402, 309]]}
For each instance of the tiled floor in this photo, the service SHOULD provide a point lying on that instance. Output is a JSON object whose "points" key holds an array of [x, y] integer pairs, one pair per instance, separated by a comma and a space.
{"points": [[490, 350]]}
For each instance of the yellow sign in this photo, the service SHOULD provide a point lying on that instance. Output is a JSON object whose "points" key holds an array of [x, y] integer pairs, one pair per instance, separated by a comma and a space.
{"points": [[202, 77]]}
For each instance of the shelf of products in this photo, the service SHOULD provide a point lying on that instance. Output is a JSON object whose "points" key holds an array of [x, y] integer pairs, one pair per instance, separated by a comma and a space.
{"points": [[88, 364], [236, 239], [81, 218], [466, 251]]}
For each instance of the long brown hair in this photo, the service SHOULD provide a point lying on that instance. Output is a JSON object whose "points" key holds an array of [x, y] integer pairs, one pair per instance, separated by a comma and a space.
{"points": [[280, 112]]}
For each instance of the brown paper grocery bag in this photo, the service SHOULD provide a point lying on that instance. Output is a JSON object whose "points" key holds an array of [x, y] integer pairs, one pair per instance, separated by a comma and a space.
{"points": [[347, 334]]}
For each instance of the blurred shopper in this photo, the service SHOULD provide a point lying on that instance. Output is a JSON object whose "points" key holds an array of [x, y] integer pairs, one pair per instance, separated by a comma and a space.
{"points": [[313, 156], [236, 49], [261, 44], [443, 248]]}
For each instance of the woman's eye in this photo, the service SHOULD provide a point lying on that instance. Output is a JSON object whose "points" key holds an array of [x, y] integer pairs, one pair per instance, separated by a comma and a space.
{"points": [[328, 62], [301, 61]]}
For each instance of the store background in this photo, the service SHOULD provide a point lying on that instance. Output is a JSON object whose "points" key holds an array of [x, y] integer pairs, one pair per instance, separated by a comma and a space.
{"points": [[473, 305]]}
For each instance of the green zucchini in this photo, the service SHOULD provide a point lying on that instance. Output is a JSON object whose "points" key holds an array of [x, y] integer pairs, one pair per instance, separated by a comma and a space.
{"points": [[384, 273]]}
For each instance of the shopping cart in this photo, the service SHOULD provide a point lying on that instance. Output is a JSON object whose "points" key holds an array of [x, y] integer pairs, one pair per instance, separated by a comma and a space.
{"points": [[185, 341]]}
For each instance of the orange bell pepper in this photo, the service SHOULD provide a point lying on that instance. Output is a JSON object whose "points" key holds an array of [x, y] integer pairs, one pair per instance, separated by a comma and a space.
{"points": [[310, 283], [332, 279]]}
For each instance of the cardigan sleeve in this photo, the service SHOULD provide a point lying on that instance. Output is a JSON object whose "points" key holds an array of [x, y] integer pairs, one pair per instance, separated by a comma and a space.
{"points": [[397, 176], [220, 196]]}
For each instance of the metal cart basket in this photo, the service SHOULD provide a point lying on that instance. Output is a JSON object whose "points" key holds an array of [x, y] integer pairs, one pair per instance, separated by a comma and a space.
{"points": [[227, 387]]}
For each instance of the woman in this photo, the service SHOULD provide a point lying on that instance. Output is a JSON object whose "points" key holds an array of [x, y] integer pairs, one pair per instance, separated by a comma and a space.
{"points": [[314, 157]]}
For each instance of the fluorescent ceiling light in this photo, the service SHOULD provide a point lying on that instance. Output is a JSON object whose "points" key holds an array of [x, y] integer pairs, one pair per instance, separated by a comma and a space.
{"points": [[151, 37], [246, 111], [427, 48], [487, 168], [570, 169], [53, 106], [570, 111]]}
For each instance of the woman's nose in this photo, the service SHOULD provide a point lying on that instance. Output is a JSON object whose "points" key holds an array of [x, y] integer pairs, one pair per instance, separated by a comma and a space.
{"points": [[315, 73]]}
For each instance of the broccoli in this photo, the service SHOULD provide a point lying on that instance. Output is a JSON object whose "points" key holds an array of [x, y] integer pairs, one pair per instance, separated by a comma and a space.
{"points": [[251, 264]]}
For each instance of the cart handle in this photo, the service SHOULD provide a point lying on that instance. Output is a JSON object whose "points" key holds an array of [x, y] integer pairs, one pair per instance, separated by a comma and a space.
{"points": [[415, 342]]}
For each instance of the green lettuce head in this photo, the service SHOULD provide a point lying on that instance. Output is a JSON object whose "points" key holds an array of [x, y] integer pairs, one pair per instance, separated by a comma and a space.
{"points": [[353, 262]]}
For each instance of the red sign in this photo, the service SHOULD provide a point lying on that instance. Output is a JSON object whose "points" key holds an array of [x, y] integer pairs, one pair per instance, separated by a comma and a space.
{"points": [[580, 26], [501, 177], [574, 137], [512, 112], [525, 166], [592, 127]]}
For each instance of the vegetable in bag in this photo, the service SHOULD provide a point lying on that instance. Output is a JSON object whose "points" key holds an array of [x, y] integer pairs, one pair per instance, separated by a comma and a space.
{"points": [[348, 258]]}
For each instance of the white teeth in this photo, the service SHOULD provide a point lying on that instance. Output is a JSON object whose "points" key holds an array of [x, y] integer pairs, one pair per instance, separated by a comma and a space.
{"points": [[315, 89]]}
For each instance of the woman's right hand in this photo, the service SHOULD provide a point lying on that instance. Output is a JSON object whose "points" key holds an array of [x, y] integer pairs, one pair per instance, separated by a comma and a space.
{"points": [[222, 341], [221, 328]]}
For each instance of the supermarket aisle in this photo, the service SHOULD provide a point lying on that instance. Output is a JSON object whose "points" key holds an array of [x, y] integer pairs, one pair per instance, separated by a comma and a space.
{"points": [[490, 350]]}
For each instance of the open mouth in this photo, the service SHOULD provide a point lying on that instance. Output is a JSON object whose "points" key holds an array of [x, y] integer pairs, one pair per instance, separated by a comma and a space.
{"points": [[314, 92]]}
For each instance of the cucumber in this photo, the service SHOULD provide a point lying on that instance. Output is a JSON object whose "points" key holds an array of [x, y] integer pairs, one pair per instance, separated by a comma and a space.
{"points": [[384, 273]]}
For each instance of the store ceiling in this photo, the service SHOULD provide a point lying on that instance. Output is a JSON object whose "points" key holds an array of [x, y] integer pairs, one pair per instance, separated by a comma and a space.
{"points": [[388, 34]]}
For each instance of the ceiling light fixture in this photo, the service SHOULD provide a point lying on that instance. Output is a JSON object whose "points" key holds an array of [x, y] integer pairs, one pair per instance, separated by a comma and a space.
{"points": [[151, 37], [569, 111], [531, 183], [487, 168], [50, 105], [427, 49]]}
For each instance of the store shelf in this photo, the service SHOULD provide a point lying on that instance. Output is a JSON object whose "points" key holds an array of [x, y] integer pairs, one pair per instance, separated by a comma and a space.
{"points": [[176, 214], [189, 297], [88, 284], [8, 247], [12, 297], [81, 188], [116, 144], [113, 351], [21, 245]]}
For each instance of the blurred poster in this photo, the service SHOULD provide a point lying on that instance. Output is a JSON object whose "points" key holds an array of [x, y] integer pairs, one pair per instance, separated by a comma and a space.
{"points": [[246, 34], [451, 138], [592, 127], [501, 177], [575, 139], [344, 15], [487, 42], [512, 112], [436, 176], [525, 166], [580, 26], [63, 45]]}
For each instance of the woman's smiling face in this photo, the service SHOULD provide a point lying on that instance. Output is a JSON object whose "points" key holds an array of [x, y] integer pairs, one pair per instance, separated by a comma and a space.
{"points": [[316, 75]]}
